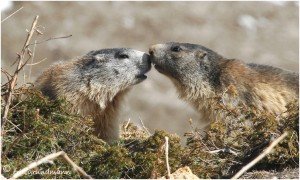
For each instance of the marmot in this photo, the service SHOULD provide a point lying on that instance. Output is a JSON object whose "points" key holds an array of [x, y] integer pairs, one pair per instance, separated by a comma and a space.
{"points": [[200, 74], [96, 83]]}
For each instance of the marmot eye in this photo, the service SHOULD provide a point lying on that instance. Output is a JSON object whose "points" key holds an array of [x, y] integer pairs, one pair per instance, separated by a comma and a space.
{"points": [[176, 48], [123, 56]]}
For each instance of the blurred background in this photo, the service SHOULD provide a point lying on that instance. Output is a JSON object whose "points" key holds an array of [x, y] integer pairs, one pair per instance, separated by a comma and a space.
{"points": [[259, 32]]}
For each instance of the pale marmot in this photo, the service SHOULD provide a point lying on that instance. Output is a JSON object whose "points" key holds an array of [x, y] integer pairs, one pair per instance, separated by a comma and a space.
{"points": [[200, 74], [95, 84]]}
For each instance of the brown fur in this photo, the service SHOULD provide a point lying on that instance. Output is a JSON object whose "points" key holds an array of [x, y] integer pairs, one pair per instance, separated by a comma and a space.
{"points": [[200, 75]]}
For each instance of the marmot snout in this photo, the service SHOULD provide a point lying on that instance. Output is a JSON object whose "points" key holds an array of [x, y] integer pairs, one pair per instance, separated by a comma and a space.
{"points": [[200, 74], [95, 83]]}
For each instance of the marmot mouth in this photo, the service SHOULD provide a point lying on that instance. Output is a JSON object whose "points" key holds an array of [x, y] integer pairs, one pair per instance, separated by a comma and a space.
{"points": [[141, 76]]}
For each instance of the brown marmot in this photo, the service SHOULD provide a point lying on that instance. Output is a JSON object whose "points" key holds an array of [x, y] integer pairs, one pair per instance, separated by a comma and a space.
{"points": [[200, 74], [95, 84]]}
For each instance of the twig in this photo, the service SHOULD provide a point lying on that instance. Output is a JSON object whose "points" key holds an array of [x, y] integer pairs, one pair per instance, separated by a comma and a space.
{"points": [[47, 159], [24, 64], [167, 156], [195, 131], [144, 126], [32, 59], [36, 62], [6, 74], [75, 167], [15, 126], [62, 37], [125, 127], [11, 14], [261, 156], [225, 150], [15, 76]]}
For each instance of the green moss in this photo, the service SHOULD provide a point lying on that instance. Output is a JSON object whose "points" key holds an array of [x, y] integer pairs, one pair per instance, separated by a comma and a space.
{"points": [[241, 137], [40, 127], [149, 157]]}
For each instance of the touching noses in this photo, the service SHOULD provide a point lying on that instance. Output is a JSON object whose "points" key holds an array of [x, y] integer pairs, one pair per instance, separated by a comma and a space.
{"points": [[152, 50]]}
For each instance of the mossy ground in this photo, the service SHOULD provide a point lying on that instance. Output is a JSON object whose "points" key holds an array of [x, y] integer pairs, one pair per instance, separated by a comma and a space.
{"points": [[39, 127]]}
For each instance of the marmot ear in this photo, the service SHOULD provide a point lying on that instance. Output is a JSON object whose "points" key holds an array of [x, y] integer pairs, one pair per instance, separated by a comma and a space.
{"points": [[96, 55], [200, 54], [99, 57]]}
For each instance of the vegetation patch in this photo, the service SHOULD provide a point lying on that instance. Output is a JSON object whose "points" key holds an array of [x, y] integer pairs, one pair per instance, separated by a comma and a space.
{"points": [[38, 126]]}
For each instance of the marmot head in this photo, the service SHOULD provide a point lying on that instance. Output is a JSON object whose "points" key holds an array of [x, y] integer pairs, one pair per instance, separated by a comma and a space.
{"points": [[185, 63], [116, 67], [97, 76], [100, 75]]}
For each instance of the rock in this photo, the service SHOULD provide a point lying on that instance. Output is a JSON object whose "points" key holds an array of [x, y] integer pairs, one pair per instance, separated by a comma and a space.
{"points": [[182, 173]]}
